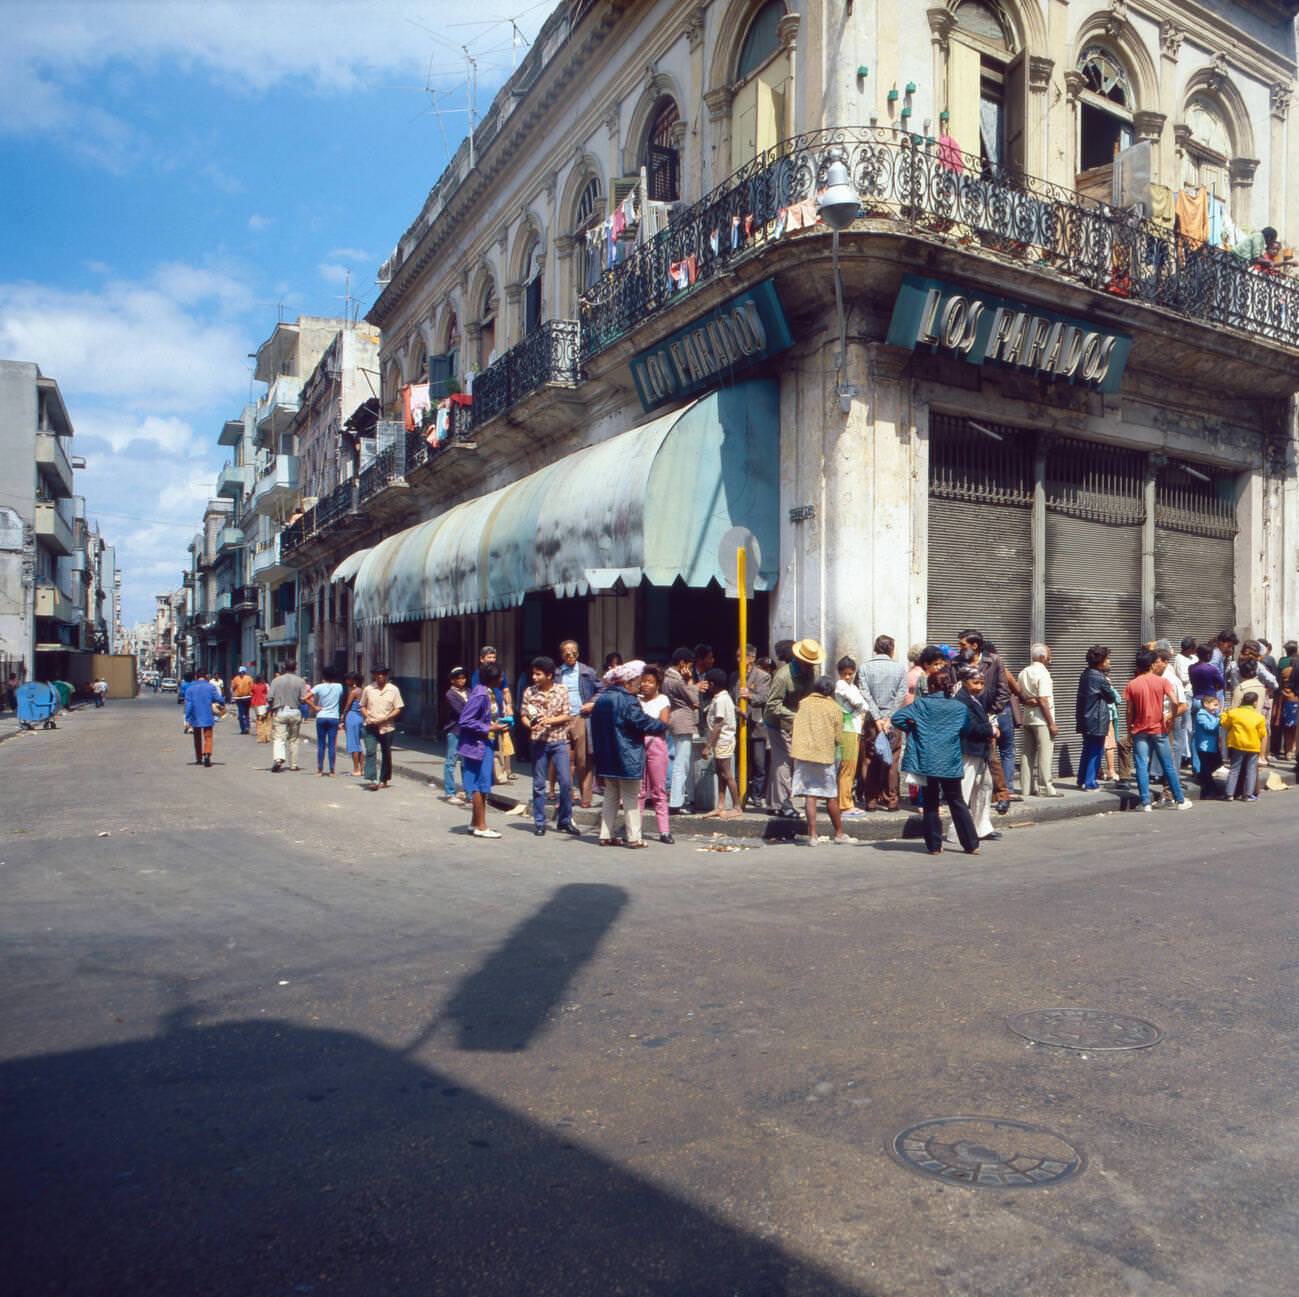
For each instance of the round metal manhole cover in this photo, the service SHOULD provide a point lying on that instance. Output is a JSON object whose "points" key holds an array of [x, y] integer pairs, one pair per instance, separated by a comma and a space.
{"points": [[1089, 1029], [987, 1153]]}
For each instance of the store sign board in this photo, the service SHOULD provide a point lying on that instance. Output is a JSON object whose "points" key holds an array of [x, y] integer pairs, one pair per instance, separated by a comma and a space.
{"points": [[985, 330], [733, 337]]}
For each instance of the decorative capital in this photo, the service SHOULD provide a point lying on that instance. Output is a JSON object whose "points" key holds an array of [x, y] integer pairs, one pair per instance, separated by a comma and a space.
{"points": [[1279, 100], [1149, 125], [611, 124], [678, 134], [513, 293], [695, 28], [1170, 39], [474, 333], [942, 22], [1039, 72], [719, 102], [1073, 85], [1182, 135], [788, 29], [1242, 172], [564, 246], [1116, 19]]}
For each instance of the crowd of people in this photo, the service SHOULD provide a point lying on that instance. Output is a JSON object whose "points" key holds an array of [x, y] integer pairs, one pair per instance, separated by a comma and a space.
{"points": [[943, 726]]}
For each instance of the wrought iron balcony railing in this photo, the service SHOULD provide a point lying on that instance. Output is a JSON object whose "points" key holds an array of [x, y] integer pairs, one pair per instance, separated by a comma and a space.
{"points": [[549, 354], [1056, 231]]}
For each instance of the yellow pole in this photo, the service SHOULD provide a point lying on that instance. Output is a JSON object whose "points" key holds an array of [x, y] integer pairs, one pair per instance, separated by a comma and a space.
{"points": [[742, 730]]}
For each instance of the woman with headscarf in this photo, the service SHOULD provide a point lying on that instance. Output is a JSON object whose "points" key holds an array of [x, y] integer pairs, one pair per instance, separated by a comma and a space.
{"points": [[935, 725], [619, 725]]}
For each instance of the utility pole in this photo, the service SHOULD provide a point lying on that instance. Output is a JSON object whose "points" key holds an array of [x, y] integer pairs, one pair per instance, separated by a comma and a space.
{"points": [[473, 102]]}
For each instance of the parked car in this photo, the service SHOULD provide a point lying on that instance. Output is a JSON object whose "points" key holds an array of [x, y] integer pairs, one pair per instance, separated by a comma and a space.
{"points": [[168, 685]]}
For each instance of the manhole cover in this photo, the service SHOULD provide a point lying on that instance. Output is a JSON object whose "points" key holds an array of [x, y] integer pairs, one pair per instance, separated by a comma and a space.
{"points": [[987, 1152], [1084, 1029]]}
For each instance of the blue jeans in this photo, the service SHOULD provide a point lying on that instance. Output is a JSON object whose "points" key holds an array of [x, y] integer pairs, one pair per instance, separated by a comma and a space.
{"points": [[326, 741], [1006, 746], [556, 756], [1089, 765], [1141, 748], [449, 767], [243, 704], [680, 756]]}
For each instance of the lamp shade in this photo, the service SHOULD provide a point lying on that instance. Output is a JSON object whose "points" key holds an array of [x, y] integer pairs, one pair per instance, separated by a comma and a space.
{"points": [[837, 201]]}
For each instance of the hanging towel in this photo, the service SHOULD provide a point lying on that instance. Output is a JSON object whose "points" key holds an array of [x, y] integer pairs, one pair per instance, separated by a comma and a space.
{"points": [[1217, 215], [1193, 214], [1161, 206], [692, 268], [782, 220], [811, 216], [416, 402], [735, 232], [949, 155], [715, 242]]}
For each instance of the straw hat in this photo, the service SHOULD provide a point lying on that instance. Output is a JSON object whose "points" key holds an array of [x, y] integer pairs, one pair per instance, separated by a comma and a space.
{"points": [[808, 651], [1275, 784]]}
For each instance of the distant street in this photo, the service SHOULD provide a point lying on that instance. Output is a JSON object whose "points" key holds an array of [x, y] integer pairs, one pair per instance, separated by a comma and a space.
{"points": [[274, 1035]]}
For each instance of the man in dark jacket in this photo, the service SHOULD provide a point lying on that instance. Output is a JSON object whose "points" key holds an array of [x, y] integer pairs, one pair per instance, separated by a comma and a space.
{"points": [[619, 725]]}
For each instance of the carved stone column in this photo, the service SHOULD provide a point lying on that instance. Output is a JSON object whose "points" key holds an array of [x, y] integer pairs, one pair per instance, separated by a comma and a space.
{"points": [[1280, 170], [1170, 48], [788, 29], [942, 22], [1241, 172], [718, 102], [513, 322], [1037, 128]]}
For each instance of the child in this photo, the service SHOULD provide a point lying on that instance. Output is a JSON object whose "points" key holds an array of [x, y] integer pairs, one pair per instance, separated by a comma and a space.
{"points": [[1205, 753], [721, 744], [1246, 737]]}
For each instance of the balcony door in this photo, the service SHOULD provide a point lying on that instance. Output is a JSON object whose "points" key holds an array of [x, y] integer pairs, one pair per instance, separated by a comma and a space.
{"points": [[758, 110], [987, 88]]}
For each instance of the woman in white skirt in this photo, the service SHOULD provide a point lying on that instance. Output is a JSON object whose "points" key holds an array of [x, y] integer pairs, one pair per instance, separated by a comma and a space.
{"points": [[814, 747], [976, 779]]}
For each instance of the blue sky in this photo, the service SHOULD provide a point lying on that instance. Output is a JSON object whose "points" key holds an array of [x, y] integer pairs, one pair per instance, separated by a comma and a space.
{"points": [[176, 173]]}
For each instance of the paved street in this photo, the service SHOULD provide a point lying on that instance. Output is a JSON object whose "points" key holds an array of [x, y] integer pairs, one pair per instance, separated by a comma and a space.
{"points": [[275, 1035]]}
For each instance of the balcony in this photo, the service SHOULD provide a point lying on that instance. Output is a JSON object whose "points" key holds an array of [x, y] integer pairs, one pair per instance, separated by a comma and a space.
{"points": [[52, 602], [229, 539], [277, 485], [232, 432], [234, 480], [1048, 230], [269, 567], [276, 409], [53, 528], [328, 519], [243, 598], [285, 633], [549, 355], [53, 463], [223, 602]]}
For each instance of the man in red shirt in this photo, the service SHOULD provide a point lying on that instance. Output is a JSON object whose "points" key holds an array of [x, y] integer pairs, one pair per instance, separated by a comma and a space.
{"points": [[1152, 707]]}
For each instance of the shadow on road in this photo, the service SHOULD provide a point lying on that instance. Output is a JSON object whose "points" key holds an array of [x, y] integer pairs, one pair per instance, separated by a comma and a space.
{"points": [[252, 1159], [509, 999]]}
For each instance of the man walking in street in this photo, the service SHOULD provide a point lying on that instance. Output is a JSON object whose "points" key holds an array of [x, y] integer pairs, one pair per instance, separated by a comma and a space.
{"points": [[1151, 705], [241, 690], [381, 705], [288, 692], [546, 717], [579, 680], [203, 704], [1040, 729], [883, 682]]}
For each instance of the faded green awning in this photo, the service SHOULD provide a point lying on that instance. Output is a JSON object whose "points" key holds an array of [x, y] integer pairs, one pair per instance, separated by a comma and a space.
{"points": [[650, 504]]}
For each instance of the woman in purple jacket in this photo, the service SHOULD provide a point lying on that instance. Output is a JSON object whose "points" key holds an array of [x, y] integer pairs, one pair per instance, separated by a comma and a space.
{"points": [[474, 731]]}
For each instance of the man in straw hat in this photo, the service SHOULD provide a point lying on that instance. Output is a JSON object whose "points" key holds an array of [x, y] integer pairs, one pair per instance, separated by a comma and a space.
{"points": [[799, 668]]}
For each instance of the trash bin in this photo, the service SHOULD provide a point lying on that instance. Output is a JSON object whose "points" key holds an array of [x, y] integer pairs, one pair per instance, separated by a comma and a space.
{"points": [[702, 790]]}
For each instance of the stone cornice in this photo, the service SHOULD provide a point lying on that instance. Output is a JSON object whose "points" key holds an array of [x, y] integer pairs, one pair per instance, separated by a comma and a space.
{"points": [[1199, 24]]}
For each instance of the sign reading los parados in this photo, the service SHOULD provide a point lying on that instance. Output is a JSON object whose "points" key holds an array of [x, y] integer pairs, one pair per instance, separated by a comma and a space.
{"points": [[986, 330], [736, 335]]}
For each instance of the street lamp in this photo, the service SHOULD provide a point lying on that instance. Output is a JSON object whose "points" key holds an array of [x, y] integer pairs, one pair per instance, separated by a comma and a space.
{"points": [[838, 207]]}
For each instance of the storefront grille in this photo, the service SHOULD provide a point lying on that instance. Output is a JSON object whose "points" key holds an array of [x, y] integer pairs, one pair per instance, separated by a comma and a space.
{"points": [[966, 463], [1195, 553]]}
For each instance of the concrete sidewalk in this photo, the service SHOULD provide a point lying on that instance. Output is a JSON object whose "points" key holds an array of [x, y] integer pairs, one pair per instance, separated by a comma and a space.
{"points": [[422, 759]]}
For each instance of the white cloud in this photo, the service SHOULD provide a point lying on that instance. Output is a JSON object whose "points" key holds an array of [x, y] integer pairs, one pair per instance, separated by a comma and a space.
{"points": [[163, 345], [333, 274], [347, 254], [54, 55], [257, 222]]}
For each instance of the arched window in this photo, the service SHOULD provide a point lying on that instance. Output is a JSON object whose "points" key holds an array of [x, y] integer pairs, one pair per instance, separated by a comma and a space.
{"points": [[586, 220], [987, 86], [762, 40], [1105, 107], [1207, 154], [532, 288], [660, 159], [762, 75], [444, 369], [487, 327]]}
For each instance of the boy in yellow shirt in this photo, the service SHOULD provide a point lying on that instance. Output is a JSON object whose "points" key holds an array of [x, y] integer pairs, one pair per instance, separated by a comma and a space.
{"points": [[1246, 738]]}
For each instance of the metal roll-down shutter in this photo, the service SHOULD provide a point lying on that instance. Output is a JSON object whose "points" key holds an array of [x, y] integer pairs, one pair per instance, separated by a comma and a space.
{"points": [[1195, 553]]}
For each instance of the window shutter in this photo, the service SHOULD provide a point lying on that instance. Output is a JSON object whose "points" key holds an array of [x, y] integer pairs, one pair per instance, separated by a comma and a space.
{"points": [[963, 96], [663, 174]]}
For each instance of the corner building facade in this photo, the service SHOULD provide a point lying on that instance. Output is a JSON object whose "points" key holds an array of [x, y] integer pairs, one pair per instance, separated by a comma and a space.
{"points": [[1054, 405]]}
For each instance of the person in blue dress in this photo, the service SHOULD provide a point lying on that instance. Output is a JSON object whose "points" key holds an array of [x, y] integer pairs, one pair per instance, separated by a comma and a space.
{"points": [[353, 722], [203, 705]]}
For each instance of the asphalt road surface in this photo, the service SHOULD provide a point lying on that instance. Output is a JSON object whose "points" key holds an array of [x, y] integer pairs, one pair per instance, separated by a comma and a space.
{"points": [[266, 1035]]}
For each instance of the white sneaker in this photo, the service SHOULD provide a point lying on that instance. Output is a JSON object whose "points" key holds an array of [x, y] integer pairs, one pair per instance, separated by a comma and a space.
{"points": [[486, 833], [1184, 804], [1147, 808]]}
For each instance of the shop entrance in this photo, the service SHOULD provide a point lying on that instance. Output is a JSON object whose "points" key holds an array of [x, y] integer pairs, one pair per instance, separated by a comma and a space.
{"points": [[1195, 553]]}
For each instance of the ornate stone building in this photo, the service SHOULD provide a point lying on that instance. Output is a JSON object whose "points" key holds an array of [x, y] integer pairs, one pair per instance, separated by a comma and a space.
{"points": [[1057, 402]]}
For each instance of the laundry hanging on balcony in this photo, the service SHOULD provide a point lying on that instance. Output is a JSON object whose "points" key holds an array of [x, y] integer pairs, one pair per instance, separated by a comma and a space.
{"points": [[650, 504]]}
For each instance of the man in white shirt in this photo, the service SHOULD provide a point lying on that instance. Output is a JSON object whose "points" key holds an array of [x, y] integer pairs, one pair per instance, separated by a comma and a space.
{"points": [[1040, 729], [1179, 672]]}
